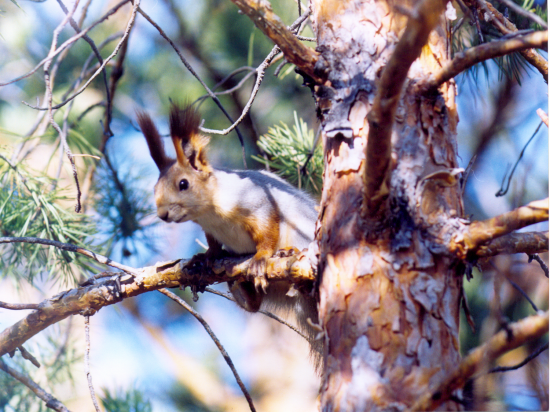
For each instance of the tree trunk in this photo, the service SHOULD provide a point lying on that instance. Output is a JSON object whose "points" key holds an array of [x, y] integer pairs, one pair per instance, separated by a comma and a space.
{"points": [[389, 291]]}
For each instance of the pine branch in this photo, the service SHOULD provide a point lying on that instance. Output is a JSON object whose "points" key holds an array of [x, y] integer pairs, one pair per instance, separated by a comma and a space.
{"points": [[378, 151], [530, 55], [89, 298], [530, 243], [468, 240], [51, 402], [486, 51], [517, 334], [261, 13]]}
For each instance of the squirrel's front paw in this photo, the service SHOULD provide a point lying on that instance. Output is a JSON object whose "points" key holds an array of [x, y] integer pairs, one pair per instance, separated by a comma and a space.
{"points": [[257, 270]]}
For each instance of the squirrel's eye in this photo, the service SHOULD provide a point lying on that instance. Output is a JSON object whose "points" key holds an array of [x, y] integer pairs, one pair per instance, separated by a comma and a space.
{"points": [[184, 184]]}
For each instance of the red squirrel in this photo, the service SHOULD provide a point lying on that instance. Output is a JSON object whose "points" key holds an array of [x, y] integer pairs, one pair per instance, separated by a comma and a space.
{"points": [[244, 211]]}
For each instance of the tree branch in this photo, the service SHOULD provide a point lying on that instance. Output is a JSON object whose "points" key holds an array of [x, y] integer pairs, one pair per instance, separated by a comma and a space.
{"points": [[51, 402], [97, 293], [517, 334], [381, 117], [530, 243], [261, 13], [530, 55], [468, 240], [486, 51], [70, 248], [217, 342]]}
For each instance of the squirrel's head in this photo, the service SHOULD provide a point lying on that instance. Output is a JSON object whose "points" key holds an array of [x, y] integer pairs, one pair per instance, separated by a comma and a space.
{"points": [[183, 190]]}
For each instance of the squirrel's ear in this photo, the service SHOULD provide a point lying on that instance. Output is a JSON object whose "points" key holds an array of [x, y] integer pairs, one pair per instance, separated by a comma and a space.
{"points": [[154, 141], [190, 145]]}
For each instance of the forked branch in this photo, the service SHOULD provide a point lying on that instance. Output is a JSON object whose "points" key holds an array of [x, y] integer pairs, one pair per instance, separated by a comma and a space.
{"points": [[517, 334], [378, 150], [486, 51], [105, 291], [474, 236], [261, 13], [529, 242]]}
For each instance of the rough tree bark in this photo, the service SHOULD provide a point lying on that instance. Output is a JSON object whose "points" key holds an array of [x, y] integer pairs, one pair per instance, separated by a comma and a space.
{"points": [[393, 240], [389, 292]]}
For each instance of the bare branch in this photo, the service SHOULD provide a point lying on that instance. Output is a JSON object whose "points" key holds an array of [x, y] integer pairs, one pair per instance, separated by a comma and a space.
{"points": [[51, 402], [101, 66], [89, 298], [530, 55], [524, 242], [261, 13], [486, 51], [543, 116], [519, 333], [194, 73], [503, 190], [70, 248], [18, 306], [522, 363], [543, 265], [66, 44], [381, 117], [525, 13], [472, 237], [263, 312], [87, 363], [222, 350]]}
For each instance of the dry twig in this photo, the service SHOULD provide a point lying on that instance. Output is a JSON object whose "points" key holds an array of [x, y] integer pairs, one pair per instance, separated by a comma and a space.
{"points": [[222, 350], [51, 402], [519, 333]]}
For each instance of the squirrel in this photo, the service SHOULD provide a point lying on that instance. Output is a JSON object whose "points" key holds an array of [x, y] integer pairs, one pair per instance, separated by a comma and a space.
{"points": [[245, 211]]}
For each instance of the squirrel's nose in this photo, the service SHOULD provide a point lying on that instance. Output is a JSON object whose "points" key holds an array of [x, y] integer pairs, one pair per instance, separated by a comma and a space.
{"points": [[163, 216]]}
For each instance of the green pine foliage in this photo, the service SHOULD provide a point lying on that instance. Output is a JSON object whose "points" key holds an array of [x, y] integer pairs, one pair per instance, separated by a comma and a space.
{"points": [[123, 208], [293, 154], [131, 401], [32, 206]]}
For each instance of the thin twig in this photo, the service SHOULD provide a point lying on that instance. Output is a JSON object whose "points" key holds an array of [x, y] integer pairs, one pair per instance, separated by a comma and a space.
{"points": [[194, 73], [18, 306], [522, 363], [87, 363], [522, 292], [70, 248], [483, 52], [101, 67], [95, 50], [263, 312], [222, 350], [28, 356], [543, 116], [503, 190], [51, 402], [543, 265], [525, 13], [65, 45], [518, 333]]}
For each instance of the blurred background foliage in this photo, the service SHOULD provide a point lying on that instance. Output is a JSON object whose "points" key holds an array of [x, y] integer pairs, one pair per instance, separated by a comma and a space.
{"points": [[148, 353]]}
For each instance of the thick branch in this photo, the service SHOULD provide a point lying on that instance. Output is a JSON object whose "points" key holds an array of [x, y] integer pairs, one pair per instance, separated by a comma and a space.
{"points": [[517, 334], [89, 298], [261, 13], [486, 51], [378, 151], [472, 237], [530, 243]]}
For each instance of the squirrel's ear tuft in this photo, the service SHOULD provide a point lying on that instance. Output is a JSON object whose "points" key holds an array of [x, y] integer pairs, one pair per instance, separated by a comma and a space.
{"points": [[154, 141], [190, 145]]}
